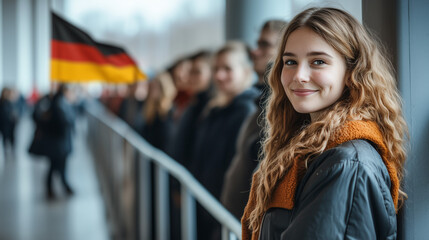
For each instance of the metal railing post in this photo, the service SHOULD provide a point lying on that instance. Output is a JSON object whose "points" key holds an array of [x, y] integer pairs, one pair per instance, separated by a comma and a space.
{"points": [[188, 214], [227, 234], [145, 195], [162, 204], [232, 236]]}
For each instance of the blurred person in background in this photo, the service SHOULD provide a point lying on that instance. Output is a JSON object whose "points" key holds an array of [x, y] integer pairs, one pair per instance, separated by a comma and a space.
{"points": [[58, 121], [41, 117], [158, 121], [112, 97], [131, 107], [200, 80], [8, 118], [180, 74], [220, 122], [181, 146], [157, 111], [238, 177], [62, 120], [19, 102]]}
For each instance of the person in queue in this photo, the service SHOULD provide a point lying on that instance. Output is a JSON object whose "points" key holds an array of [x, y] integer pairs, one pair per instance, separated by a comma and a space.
{"points": [[179, 72], [334, 148], [182, 144], [200, 80], [157, 111], [131, 105], [217, 131], [236, 185]]}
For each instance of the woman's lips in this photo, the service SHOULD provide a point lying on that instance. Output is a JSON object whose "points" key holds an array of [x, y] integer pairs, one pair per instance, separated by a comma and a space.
{"points": [[303, 92]]}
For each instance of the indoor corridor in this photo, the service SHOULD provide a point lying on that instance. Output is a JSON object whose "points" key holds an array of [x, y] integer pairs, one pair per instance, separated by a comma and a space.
{"points": [[26, 213]]}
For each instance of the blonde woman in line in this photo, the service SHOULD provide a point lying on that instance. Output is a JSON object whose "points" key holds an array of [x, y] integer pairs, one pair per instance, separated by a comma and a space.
{"points": [[218, 126], [157, 111]]}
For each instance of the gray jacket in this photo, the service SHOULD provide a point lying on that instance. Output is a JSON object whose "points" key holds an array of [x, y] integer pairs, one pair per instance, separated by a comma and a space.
{"points": [[345, 194]]}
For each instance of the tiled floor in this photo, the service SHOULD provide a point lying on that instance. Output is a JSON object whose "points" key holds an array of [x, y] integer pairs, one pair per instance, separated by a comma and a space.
{"points": [[25, 213]]}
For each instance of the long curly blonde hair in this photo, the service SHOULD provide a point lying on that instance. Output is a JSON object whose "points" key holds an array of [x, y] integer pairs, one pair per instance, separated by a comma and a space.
{"points": [[370, 94]]}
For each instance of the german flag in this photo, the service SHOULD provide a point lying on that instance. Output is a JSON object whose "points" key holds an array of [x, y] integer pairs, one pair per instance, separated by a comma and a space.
{"points": [[77, 58]]}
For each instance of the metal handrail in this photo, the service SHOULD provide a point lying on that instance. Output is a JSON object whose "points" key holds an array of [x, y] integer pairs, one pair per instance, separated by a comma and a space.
{"points": [[191, 188]]}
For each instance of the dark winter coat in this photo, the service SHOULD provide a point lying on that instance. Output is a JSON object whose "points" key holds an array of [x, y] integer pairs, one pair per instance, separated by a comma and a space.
{"points": [[215, 140], [348, 192], [344, 195], [158, 132], [130, 111], [54, 125], [8, 118], [238, 178], [182, 145]]}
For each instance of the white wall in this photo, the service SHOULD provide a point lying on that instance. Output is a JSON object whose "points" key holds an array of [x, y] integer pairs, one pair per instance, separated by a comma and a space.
{"points": [[9, 43], [244, 18], [25, 44], [42, 44], [354, 7], [25, 72]]}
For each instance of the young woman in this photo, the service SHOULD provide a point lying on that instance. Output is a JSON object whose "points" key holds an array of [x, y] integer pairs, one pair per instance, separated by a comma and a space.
{"points": [[334, 149], [217, 128], [200, 79], [157, 111]]}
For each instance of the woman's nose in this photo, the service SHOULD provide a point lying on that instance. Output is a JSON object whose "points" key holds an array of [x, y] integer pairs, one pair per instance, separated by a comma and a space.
{"points": [[302, 73], [219, 75]]}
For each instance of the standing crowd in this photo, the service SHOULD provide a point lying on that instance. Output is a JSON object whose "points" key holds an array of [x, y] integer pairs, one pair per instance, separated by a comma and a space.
{"points": [[54, 117], [203, 111]]}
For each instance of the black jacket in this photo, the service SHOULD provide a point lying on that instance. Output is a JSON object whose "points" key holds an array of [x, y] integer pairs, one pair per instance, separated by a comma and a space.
{"points": [[215, 140], [238, 178], [54, 118], [345, 194], [158, 132], [62, 126], [130, 111], [183, 140], [8, 119]]}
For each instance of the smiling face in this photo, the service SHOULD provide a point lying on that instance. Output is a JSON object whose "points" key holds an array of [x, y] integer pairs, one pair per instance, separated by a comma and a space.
{"points": [[230, 73], [313, 74]]}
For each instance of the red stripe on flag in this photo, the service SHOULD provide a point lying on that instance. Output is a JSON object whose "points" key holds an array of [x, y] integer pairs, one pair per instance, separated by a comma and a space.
{"points": [[79, 52]]}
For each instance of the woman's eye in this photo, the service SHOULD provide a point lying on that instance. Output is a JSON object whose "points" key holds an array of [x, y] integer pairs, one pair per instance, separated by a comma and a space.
{"points": [[318, 62], [289, 62]]}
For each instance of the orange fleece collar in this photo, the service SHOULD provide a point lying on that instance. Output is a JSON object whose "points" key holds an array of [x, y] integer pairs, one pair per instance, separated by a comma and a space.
{"points": [[284, 194]]}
